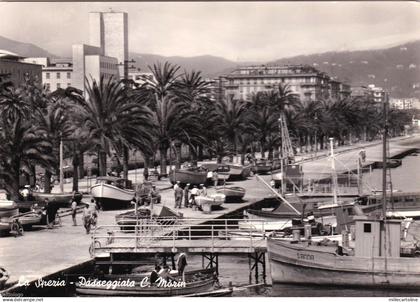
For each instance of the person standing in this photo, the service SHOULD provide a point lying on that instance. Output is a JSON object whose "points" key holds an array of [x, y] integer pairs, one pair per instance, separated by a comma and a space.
{"points": [[178, 196], [93, 208], [194, 192], [74, 211], [49, 213], [181, 263], [86, 218], [186, 195], [215, 178]]}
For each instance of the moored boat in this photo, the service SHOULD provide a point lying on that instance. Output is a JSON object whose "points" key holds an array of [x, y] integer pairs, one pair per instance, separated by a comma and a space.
{"points": [[262, 166], [232, 193], [61, 199], [239, 171], [112, 192], [211, 200], [139, 285], [8, 208], [192, 176], [369, 263]]}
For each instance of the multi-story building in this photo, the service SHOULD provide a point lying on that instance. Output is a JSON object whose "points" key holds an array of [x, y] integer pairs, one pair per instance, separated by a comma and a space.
{"points": [[404, 103], [17, 69], [378, 93], [109, 32], [139, 77], [56, 73], [306, 81]]}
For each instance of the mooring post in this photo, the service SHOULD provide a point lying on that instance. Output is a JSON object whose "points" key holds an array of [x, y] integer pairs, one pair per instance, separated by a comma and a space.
{"points": [[264, 268], [256, 267], [217, 264], [202, 261], [250, 269]]}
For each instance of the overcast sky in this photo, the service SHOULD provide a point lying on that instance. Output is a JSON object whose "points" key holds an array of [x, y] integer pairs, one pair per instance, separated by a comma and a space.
{"points": [[248, 31]]}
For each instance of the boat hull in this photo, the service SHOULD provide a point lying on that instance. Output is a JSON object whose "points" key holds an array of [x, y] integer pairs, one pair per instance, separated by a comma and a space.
{"points": [[296, 264], [239, 171], [111, 197], [204, 283], [191, 177], [232, 193], [215, 200], [63, 199]]}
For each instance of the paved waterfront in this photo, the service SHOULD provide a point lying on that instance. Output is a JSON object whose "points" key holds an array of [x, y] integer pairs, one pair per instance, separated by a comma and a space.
{"points": [[43, 251]]}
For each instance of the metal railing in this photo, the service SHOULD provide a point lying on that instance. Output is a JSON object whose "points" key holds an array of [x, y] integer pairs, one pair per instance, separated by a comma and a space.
{"points": [[132, 235]]}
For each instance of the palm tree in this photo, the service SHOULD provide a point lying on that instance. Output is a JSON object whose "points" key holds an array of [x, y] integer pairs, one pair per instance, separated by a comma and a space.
{"points": [[113, 119], [57, 124], [232, 119]]}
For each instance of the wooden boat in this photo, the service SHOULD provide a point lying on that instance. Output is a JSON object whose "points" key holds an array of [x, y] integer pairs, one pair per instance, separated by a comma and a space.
{"points": [[159, 212], [112, 192], [239, 171], [391, 163], [262, 166], [212, 200], [370, 263], [232, 193], [195, 281], [223, 170], [8, 208], [193, 176], [62, 199]]}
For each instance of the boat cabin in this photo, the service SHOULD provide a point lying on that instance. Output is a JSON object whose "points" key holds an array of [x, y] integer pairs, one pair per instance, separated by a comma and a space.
{"points": [[115, 181], [377, 238]]}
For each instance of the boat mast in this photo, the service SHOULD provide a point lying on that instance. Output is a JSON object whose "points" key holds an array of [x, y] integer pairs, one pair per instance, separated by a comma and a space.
{"points": [[384, 154], [334, 174]]}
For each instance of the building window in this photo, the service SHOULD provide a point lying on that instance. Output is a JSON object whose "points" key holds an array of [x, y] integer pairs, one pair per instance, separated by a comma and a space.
{"points": [[47, 86], [68, 75], [58, 85], [47, 75], [367, 228], [58, 75], [68, 84]]}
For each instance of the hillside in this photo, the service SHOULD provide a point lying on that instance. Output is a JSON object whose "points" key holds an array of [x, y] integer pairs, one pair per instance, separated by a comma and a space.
{"points": [[24, 49], [210, 66], [396, 69]]}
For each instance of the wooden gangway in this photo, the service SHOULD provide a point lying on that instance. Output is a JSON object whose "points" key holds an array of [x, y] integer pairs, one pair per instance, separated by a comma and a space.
{"points": [[222, 236]]}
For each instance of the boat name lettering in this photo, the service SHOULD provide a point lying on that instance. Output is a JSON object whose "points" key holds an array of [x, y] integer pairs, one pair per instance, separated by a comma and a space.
{"points": [[109, 284], [305, 256]]}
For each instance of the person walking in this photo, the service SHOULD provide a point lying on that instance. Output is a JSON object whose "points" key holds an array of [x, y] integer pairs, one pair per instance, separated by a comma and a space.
{"points": [[93, 208], [87, 218], [74, 211], [178, 196], [186, 195]]}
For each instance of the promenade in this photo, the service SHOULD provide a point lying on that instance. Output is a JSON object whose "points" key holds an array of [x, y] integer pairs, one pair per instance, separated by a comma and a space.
{"points": [[42, 252]]}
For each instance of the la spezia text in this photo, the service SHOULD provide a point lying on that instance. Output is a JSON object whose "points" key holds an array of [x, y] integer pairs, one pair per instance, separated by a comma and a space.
{"points": [[108, 284]]}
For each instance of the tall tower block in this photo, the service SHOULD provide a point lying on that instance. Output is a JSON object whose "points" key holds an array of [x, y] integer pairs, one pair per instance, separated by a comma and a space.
{"points": [[109, 31]]}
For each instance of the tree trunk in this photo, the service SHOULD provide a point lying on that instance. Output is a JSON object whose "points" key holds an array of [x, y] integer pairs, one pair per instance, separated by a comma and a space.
{"points": [[76, 163], [200, 152], [163, 158], [47, 181], [270, 154], [178, 150], [81, 167], [243, 158], [102, 163], [126, 157]]}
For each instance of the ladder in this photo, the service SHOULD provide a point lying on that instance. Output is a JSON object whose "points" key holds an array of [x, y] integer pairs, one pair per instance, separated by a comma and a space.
{"points": [[286, 144]]}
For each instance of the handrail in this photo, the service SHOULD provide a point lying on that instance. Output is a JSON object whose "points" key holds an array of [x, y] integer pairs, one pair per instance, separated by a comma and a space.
{"points": [[148, 232]]}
